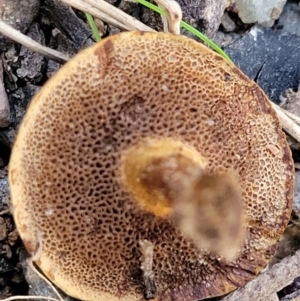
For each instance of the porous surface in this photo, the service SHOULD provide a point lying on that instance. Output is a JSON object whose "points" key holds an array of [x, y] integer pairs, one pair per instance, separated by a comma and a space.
{"points": [[69, 203]]}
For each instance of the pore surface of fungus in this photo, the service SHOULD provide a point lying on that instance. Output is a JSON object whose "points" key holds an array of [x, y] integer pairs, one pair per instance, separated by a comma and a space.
{"points": [[69, 197]]}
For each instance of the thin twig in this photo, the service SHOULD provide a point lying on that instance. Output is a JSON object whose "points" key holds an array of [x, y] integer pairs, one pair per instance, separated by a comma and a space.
{"points": [[17, 36], [294, 117], [109, 14], [173, 14], [270, 281], [287, 123], [13, 298]]}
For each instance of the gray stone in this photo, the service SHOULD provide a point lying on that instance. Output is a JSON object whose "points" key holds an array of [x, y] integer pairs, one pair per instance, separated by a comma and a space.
{"points": [[224, 39], [205, 15], [270, 57], [4, 105], [3, 231], [20, 100], [5, 266], [32, 63], [4, 193], [64, 18], [228, 23], [19, 14], [59, 42], [296, 207], [262, 12], [290, 19]]}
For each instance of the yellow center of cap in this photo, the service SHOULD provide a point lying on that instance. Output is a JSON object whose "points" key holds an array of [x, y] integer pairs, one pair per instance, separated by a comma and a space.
{"points": [[155, 169]]}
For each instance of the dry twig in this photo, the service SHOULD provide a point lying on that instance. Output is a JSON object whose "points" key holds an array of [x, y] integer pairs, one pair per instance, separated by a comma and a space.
{"points": [[109, 14], [292, 116], [287, 123], [174, 14], [17, 36], [270, 281]]}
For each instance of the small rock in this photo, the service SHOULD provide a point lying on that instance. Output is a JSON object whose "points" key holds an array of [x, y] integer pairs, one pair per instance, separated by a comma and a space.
{"points": [[7, 138], [19, 99], [224, 40], [5, 266], [68, 23], [296, 207], [3, 231], [4, 192], [261, 12], [10, 60], [3, 281], [291, 101], [32, 63], [290, 19], [228, 23], [289, 243], [205, 15], [6, 292], [59, 42], [10, 226], [13, 237], [17, 276], [6, 251], [4, 105], [19, 14], [270, 57]]}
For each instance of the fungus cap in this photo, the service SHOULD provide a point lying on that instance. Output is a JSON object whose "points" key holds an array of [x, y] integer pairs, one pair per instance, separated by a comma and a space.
{"points": [[70, 202]]}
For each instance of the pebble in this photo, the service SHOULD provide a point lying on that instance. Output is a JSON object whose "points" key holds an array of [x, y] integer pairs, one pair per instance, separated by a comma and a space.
{"points": [[205, 15], [290, 18], [18, 14], [32, 63], [5, 266], [296, 207], [261, 12], [228, 24], [3, 231], [270, 57], [4, 105]]}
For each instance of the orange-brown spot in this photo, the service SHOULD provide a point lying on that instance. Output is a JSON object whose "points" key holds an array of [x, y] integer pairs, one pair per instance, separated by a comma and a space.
{"points": [[103, 52], [108, 47], [274, 150]]}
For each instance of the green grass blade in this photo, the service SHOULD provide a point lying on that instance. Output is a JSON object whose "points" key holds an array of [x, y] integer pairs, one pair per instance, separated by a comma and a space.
{"points": [[189, 28], [205, 39], [93, 26]]}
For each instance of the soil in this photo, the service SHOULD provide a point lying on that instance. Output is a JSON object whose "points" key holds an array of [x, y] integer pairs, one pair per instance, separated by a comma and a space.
{"points": [[272, 61]]}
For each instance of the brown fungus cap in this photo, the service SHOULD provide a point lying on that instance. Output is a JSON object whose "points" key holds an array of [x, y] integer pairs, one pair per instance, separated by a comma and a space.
{"points": [[71, 204]]}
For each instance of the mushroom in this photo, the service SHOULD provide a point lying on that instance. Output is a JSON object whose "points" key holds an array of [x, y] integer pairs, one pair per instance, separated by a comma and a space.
{"points": [[127, 141]]}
